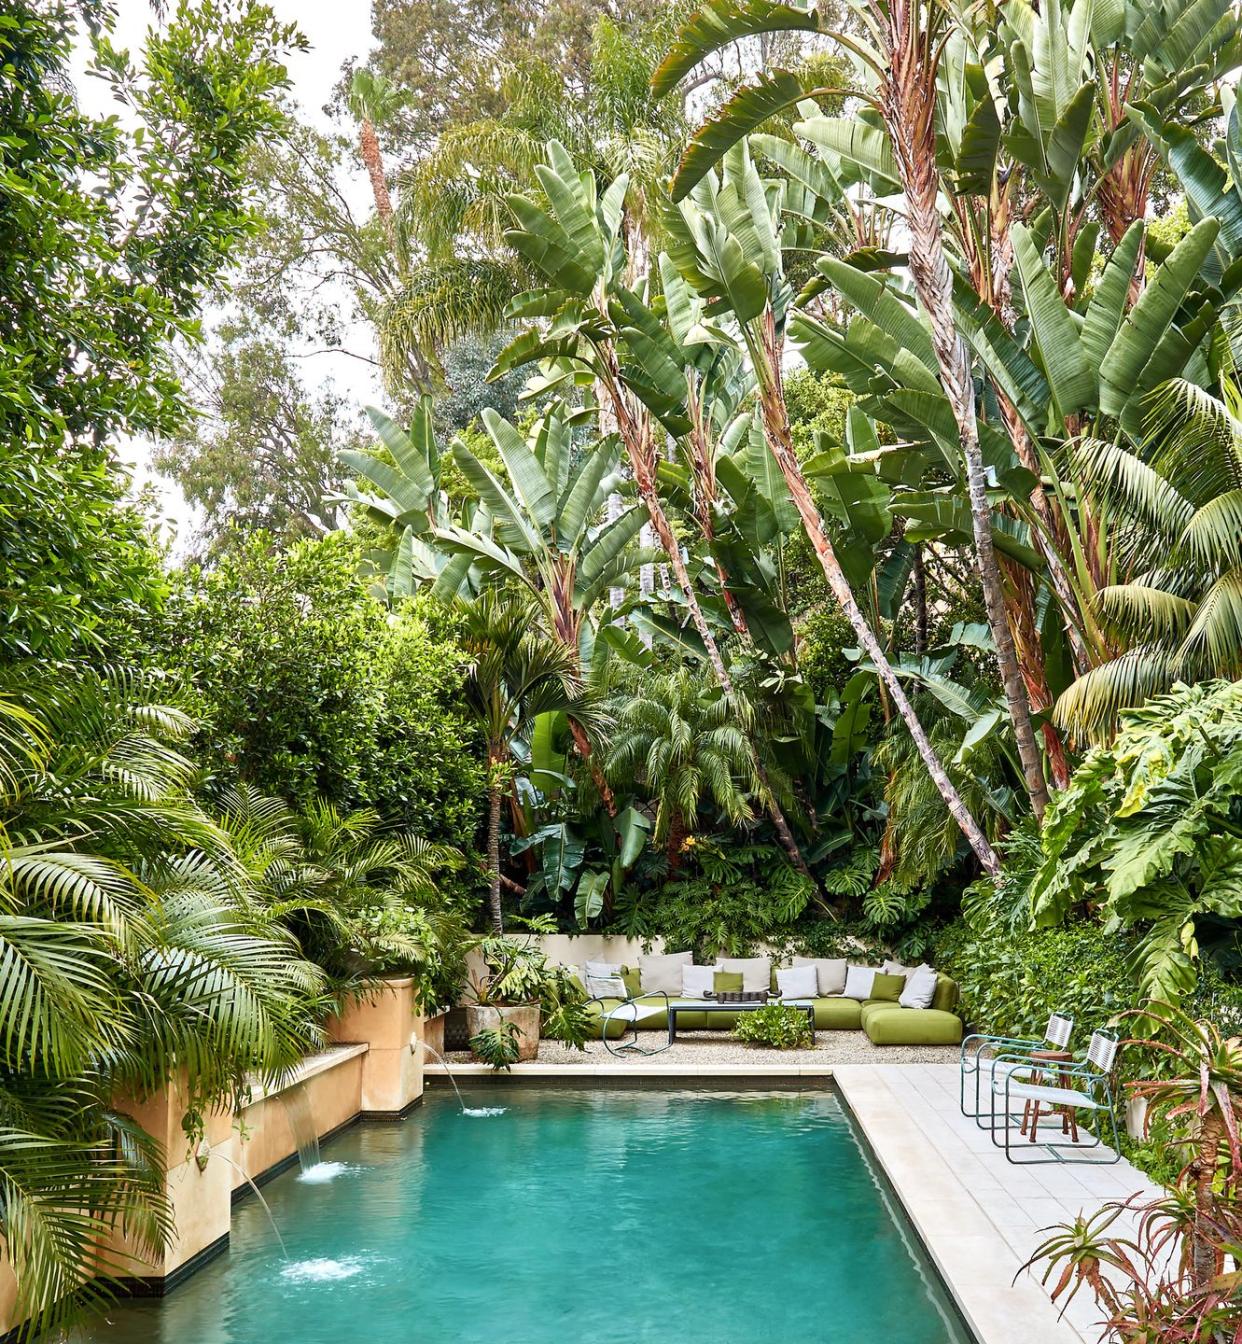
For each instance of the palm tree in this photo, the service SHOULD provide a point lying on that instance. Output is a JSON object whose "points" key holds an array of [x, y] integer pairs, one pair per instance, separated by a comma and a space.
{"points": [[372, 100], [514, 674], [130, 946], [683, 743], [1172, 511], [361, 896]]}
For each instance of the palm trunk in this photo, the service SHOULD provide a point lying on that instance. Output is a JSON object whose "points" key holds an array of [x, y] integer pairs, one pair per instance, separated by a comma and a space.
{"points": [[635, 434], [780, 442], [582, 744], [493, 857], [374, 163], [908, 106]]}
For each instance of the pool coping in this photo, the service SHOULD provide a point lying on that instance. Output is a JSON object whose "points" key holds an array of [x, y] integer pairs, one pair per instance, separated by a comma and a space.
{"points": [[981, 1273]]}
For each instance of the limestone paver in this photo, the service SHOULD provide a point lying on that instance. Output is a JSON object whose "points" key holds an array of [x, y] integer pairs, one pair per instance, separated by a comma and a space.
{"points": [[980, 1217]]}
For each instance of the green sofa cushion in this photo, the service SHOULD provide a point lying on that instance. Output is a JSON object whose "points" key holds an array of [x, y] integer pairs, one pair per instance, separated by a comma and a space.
{"points": [[728, 982], [596, 1011], [912, 1026], [837, 1014], [887, 987], [947, 994], [633, 980]]}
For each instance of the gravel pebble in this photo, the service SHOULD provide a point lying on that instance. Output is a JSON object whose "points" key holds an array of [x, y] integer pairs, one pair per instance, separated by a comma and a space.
{"points": [[697, 1048]]}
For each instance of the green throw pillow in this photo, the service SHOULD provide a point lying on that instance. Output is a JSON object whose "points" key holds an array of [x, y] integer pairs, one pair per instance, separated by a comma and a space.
{"points": [[887, 987], [633, 981], [728, 982]]}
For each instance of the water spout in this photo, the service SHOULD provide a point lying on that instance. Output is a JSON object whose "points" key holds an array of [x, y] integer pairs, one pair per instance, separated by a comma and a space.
{"points": [[296, 1101], [474, 1111], [258, 1195]]}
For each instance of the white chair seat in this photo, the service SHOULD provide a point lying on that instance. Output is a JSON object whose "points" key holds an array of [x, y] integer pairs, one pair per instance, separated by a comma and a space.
{"points": [[635, 1011], [993, 1066], [1052, 1096]]}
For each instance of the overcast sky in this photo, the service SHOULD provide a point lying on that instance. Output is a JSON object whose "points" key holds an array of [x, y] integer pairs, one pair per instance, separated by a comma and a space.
{"points": [[336, 30]]}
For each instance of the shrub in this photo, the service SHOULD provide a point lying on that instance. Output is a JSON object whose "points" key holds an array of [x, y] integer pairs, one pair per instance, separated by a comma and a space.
{"points": [[310, 688], [776, 1025], [1012, 982]]}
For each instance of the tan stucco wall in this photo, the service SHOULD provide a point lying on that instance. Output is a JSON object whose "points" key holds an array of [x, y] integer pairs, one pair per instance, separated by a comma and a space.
{"points": [[392, 1071], [263, 1136]]}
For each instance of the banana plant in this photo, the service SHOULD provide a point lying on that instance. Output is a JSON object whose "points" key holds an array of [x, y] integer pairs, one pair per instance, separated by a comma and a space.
{"points": [[546, 530], [574, 240], [900, 51], [406, 496], [696, 384], [726, 245]]}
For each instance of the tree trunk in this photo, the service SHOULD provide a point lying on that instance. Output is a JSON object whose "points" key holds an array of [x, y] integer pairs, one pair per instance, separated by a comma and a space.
{"points": [[920, 601], [635, 434], [780, 442], [493, 857], [908, 106], [373, 161], [1204, 1256], [583, 746]]}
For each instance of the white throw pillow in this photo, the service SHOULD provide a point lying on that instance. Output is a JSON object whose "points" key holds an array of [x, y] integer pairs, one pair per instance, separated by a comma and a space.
{"points": [[605, 987], [697, 980], [891, 967], [829, 972], [662, 971], [603, 968], [756, 971], [858, 982], [920, 988], [798, 982]]}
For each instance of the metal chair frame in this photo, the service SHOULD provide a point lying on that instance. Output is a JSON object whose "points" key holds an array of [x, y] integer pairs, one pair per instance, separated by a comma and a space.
{"points": [[622, 1047], [1093, 1076], [990, 1048]]}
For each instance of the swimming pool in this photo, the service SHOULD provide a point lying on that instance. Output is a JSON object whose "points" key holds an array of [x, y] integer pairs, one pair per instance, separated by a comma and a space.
{"points": [[578, 1216]]}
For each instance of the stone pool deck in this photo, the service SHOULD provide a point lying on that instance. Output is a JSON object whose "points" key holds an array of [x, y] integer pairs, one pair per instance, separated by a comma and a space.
{"points": [[978, 1216]]}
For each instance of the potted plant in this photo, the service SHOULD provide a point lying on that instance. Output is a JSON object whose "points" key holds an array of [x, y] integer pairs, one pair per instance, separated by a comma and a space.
{"points": [[516, 994]]}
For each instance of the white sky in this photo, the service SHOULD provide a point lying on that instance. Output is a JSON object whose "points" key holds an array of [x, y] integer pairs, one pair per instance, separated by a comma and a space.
{"points": [[336, 30]]}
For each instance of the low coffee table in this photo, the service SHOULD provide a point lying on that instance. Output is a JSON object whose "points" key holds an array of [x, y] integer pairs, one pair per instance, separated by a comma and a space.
{"points": [[746, 1006]]}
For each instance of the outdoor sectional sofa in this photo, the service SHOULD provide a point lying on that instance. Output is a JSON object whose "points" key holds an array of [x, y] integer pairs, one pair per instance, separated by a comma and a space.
{"points": [[884, 1021]]}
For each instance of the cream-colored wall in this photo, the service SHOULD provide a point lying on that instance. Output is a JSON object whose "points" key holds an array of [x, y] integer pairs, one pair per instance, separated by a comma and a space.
{"points": [[392, 1072], [263, 1136]]}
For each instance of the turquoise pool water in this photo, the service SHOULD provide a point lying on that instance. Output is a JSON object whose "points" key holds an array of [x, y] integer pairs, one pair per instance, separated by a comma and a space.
{"points": [[575, 1217]]}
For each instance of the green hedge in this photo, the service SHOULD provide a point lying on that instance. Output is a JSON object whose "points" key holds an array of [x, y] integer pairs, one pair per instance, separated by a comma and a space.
{"points": [[1011, 983]]}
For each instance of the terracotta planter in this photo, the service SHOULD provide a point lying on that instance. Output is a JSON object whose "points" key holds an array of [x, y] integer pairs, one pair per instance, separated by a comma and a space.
{"points": [[524, 1016]]}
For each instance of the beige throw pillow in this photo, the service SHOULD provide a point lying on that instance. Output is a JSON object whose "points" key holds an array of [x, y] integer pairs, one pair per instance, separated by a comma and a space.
{"points": [[756, 971], [829, 973], [663, 971]]}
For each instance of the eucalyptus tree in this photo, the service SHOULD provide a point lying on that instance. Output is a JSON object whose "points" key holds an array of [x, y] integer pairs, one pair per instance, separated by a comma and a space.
{"points": [[575, 243], [452, 208]]}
